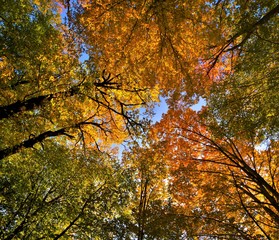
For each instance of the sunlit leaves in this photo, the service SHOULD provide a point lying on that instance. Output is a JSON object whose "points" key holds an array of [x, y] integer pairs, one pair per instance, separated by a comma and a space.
{"points": [[45, 191], [150, 42], [45, 87], [205, 175], [205, 160]]}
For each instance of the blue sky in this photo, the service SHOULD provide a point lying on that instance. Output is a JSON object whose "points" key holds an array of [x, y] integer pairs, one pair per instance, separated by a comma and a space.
{"points": [[162, 108]]}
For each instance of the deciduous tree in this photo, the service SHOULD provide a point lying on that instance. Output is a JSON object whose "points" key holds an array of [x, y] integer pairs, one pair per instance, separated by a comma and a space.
{"points": [[46, 91], [57, 192], [230, 183]]}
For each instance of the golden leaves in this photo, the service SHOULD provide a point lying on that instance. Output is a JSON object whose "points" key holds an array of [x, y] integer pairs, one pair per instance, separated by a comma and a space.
{"points": [[152, 43]]}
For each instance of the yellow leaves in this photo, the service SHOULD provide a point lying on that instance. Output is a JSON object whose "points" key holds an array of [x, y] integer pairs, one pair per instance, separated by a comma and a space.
{"points": [[135, 39], [52, 79]]}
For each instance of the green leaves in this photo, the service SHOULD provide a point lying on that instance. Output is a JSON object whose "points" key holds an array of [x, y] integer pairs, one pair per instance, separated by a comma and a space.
{"points": [[53, 192], [207, 174], [246, 100]]}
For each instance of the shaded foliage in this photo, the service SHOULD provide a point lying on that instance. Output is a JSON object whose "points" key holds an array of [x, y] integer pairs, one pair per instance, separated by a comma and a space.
{"points": [[211, 174]]}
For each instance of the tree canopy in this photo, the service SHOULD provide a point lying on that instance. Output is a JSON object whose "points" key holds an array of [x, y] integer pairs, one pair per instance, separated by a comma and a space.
{"points": [[79, 155]]}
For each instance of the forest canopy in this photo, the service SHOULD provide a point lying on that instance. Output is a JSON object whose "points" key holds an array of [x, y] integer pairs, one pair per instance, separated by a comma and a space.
{"points": [[81, 158]]}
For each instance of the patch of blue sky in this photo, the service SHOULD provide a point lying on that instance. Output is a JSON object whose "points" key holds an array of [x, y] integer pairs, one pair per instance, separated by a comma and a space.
{"points": [[83, 57], [160, 109], [198, 106]]}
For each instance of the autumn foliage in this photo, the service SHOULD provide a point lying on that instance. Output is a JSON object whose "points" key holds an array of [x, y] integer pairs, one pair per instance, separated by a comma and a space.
{"points": [[80, 157]]}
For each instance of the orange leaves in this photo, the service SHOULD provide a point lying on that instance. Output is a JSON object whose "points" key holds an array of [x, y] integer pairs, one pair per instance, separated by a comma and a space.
{"points": [[217, 174], [46, 88], [149, 43]]}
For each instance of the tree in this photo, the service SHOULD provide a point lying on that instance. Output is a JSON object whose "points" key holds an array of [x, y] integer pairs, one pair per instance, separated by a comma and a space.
{"points": [[249, 176], [159, 44], [47, 92], [247, 100], [247, 21], [180, 47], [58, 193], [149, 173], [243, 109], [233, 142], [56, 109], [50, 103], [152, 214]]}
